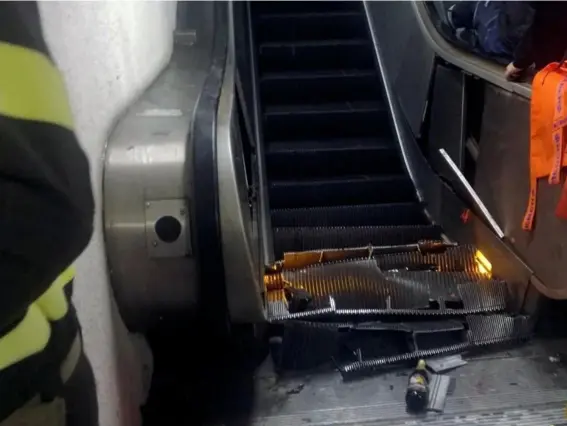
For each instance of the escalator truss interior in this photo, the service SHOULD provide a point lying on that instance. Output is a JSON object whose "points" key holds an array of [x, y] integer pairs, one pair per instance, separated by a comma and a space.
{"points": [[361, 266]]}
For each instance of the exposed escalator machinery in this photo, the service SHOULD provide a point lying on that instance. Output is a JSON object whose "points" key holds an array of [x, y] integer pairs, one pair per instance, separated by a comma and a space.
{"points": [[355, 242]]}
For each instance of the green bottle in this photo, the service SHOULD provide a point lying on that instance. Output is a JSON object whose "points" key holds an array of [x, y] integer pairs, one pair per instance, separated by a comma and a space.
{"points": [[417, 395]]}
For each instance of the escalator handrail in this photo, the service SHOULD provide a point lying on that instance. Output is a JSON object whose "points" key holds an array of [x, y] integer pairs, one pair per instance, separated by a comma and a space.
{"points": [[468, 62], [264, 217], [202, 183]]}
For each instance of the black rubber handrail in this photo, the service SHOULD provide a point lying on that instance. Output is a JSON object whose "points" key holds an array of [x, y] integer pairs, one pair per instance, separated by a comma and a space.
{"points": [[202, 182], [468, 62]]}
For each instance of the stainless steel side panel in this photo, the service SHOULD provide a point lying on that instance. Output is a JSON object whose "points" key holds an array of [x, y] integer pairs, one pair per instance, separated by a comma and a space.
{"points": [[428, 185], [407, 56], [502, 181], [238, 218], [144, 179], [447, 117]]}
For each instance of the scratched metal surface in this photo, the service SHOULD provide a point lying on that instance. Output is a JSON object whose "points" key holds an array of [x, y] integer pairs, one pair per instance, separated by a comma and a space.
{"points": [[520, 387]]}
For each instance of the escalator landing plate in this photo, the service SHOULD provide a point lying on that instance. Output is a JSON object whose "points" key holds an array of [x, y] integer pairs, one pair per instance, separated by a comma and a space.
{"points": [[514, 387]]}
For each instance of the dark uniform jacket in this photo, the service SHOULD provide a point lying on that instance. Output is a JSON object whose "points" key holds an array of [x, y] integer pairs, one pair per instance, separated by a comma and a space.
{"points": [[46, 202]]}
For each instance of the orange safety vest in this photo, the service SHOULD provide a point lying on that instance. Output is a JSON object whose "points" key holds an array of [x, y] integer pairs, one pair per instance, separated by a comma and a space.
{"points": [[548, 121]]}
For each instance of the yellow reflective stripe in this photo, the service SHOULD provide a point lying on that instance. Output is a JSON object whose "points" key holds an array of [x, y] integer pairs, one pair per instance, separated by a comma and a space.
{"points": [[29, 337], [31, 87], [53, 302]]}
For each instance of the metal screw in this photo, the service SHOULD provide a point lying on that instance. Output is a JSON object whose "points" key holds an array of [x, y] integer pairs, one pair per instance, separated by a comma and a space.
{"points": [[182, 212], [148, 204], [154, 243]]}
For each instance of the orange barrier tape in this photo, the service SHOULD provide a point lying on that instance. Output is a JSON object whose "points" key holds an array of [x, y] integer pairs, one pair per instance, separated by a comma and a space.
{"points": [[548, 121]]}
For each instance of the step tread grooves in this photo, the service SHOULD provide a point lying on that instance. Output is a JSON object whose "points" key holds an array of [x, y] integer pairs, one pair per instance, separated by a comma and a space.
{"points": [[313, 43], [307, 238], [347, 179], [368, 214], [309, 15], [284, 147], [338, 107], [317, 74]]}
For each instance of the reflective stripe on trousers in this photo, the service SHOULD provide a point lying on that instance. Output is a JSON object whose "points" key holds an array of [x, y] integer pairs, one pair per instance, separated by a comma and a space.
{"points": [[32, 334]]}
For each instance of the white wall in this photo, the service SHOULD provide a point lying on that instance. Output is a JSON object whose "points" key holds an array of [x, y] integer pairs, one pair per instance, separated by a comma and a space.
{"points": [[108, 52]]}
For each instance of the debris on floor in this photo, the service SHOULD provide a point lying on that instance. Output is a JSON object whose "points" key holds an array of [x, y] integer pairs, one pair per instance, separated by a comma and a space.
{"points": [[439, 389], [444, 364], [426, 391], [295, 390]]}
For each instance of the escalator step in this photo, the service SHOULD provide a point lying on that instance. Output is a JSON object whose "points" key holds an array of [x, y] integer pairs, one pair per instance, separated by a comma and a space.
{"points": [[491, 329], [360, 285], [457, 290], [308, 344], [377, 214], [316, 55], [301, 239], [320, 87], [343, 120], [304, 6], [278, 27], [322, 159], [484, 331], [345, 191]]}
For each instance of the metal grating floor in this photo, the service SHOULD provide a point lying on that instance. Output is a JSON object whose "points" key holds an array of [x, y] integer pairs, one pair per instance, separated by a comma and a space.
{"points": [[519, 387]]}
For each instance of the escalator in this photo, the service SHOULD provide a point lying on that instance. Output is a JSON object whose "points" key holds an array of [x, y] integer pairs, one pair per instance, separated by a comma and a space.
{"points": [[337, 181], [335, 175], [364, 280]]}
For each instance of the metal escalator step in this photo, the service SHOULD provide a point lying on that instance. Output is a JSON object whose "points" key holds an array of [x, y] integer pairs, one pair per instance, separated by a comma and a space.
{"points": [[490, 329], [301, 239], [320, 339], [322, 159], [361, 215], [460, 258], [276, 304], [310, 26], [341, 120], [315, 55], [484, 330], [350, 190], [359, 288], [276, 7], [368, 366], [306, 344], [319, 87], [356, 284], [457, 290]]}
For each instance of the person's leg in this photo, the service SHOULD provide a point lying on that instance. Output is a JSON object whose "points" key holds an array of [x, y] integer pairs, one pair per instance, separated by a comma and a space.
{"points": [[461, 14], [80, 397]]}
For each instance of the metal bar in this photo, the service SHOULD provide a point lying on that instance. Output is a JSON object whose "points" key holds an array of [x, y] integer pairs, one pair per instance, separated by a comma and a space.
{"points": [[472, 193]]}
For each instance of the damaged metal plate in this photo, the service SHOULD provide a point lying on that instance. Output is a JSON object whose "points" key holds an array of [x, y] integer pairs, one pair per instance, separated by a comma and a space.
{"points": [[438, 389], [373, 346], [484, 330], [359, 287], [490, 329], [456, 259], [306, 341], [357, 284]]}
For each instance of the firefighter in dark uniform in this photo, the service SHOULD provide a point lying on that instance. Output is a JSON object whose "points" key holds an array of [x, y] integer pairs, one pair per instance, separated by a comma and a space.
{"points": [[46, 215]]}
